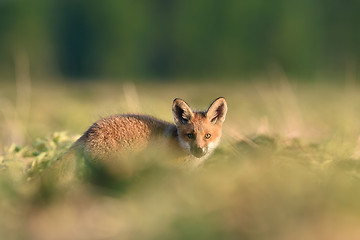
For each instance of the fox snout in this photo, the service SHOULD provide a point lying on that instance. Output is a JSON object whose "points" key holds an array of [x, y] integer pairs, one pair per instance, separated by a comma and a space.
{"points": [[198, 151]]}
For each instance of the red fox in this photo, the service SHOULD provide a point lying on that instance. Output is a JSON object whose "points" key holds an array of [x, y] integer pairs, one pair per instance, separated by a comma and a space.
{"points": [[106, 144], [195, 133], [192, 138]]}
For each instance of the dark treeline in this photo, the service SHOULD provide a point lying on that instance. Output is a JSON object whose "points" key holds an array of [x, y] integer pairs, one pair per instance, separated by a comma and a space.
{"points": [[176, 38]]}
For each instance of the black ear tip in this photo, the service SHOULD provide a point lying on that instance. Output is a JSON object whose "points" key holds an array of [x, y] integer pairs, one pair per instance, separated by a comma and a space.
{"points": [[178, 100], [220, 100]]}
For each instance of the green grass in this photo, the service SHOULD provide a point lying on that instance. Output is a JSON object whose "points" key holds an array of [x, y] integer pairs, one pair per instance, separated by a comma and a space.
{"points": [[288, 166]]}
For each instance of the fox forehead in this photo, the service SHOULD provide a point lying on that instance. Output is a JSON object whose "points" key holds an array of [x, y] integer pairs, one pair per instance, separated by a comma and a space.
{"points": [[199, 124]]}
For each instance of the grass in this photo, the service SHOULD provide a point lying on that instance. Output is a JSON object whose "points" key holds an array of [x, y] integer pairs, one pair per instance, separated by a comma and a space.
{"points": [[288, 166]]}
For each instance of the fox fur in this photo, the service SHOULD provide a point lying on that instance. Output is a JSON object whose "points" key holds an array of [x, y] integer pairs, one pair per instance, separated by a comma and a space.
{"points": [[193, 136]]}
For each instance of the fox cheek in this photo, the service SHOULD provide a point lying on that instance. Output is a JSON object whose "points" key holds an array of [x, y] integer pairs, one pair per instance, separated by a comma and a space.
{"points": [[213, 145], [185, 145]]}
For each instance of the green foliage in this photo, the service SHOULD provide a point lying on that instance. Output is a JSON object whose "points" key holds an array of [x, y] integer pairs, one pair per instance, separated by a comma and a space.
{"points": [[180, 38], [288, 167], [261, 187], [29, 161]]}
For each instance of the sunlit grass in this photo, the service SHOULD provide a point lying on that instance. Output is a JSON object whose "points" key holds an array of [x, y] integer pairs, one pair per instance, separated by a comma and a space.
{"points": [[288, 166]]}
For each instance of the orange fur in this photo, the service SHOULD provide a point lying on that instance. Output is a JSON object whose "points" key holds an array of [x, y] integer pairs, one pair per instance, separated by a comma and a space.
{"points": [[116, 135]]}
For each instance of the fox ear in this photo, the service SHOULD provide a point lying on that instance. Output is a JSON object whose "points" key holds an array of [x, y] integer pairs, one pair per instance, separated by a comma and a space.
{"points": [[181, 111], [217, 111]]}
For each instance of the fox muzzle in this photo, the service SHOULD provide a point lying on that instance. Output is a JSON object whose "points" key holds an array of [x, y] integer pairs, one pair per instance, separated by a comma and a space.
{"points": [[198, 152]]}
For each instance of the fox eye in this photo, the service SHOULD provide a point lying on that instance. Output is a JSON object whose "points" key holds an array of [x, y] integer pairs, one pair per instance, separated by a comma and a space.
{"points": [[208, 135], [190, 135]]}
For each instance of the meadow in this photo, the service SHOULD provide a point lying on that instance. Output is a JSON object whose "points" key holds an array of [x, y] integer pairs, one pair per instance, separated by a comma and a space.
{"points": [[288, 166]]}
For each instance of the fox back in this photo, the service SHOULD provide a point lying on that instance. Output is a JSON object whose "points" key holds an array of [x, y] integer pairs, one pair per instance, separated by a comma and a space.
{"points": [[194, 135]]}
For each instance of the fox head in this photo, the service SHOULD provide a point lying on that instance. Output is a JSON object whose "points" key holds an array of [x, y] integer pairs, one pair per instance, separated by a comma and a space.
{"points": [[199, 132]]}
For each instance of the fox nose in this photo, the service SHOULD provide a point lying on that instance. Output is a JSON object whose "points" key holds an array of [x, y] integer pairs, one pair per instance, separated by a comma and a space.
{"points": [[198, 152]]}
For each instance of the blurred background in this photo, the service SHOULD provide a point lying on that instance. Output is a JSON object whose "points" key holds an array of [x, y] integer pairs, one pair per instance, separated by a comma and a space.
{"points": [[170, 39], [66, 63], [287, 167]]}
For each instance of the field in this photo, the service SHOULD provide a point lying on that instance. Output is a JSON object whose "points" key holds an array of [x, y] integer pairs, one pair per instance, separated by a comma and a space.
{"points": [[288, 166]]}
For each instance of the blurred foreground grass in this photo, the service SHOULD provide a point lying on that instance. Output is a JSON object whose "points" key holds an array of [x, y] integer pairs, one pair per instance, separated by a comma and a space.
{"points": [[288, 166]]}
